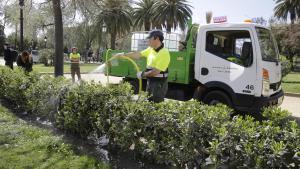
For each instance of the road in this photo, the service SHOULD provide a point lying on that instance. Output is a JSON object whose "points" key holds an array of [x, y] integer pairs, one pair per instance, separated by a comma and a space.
{"points": [[290, 103]]}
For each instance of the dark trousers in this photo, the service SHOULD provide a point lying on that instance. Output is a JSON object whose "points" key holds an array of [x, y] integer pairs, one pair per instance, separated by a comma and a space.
{"points": [[157, 89], [10, 64], [75, 69]]}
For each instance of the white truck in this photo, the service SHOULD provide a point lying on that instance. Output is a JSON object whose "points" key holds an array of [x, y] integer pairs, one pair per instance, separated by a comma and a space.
{"points": [[235, 64]]}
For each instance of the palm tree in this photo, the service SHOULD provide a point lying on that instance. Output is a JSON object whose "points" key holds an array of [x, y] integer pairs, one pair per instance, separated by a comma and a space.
{"points": [[116, 16], [285, 7], [171, 13], [59, 40], [143, 14]]}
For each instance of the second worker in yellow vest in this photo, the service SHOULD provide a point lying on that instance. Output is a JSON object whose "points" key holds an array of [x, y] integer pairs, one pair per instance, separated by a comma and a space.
{"points": [[75, 59], [158, 60]]}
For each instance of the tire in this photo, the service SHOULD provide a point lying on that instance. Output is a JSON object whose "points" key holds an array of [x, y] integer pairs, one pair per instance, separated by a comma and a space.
{"points": [[215, 97]]}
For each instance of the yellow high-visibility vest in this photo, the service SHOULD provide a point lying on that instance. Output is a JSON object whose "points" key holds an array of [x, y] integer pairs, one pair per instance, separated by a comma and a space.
{"points": [[159, 60]]}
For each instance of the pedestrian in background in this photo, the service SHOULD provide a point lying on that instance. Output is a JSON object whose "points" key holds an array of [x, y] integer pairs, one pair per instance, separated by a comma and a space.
{"points": [[25, 61], [75, 58], [8, 58]]}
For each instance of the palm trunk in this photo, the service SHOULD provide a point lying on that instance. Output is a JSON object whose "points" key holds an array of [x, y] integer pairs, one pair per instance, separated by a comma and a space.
{"points": [[113, 40], [58, 59], [169, 27], [147, 26]]}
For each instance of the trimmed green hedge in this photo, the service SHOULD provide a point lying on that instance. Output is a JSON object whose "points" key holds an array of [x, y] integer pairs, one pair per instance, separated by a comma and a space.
{"points": [[178, 134]]}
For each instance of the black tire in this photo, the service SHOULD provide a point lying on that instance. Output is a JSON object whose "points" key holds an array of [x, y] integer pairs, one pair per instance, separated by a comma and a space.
{"points": [[215, 97]]}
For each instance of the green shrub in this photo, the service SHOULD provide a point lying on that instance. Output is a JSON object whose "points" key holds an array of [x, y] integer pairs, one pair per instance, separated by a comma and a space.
{"points": [[13, 84], [179, 134], [46, 57], [286, 66], [90, 108], [44, 96]]}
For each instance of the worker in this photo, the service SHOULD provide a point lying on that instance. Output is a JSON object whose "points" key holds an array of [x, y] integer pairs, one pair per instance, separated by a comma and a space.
{"points": [[75, 58], [9, 60], [156, 73]]}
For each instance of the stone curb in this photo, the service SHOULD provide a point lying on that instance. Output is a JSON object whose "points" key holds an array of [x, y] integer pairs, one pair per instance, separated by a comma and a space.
{"points": [[292, 94]]}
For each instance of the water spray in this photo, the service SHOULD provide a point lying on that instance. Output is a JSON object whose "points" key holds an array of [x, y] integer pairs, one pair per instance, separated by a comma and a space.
{"points": [[104, 67]]}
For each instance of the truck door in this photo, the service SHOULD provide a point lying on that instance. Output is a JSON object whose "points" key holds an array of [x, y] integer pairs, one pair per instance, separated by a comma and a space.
{"points": [[227, 62]]}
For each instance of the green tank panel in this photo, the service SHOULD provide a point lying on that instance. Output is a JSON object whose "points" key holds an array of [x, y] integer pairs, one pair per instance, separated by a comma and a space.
{"points": [[181, 68]]}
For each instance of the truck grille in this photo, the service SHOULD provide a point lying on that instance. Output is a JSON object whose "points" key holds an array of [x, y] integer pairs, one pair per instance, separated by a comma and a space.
{"points": [[275, 86]]}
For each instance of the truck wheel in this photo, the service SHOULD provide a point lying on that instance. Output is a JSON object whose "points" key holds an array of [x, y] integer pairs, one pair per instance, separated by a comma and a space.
{"points": [[215, 97]]}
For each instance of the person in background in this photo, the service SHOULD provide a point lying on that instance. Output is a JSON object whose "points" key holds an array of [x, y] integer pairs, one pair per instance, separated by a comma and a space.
{"points": [[9, 60], [75, 58], [25, 61]]}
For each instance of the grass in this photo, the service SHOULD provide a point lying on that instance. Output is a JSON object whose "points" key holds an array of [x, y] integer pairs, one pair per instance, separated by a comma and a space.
{"points": [[84, 68], [25, 146], [291, 83]]}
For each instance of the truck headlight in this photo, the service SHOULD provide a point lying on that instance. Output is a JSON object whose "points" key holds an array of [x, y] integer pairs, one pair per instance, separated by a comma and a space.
{"points": [[265, 83]]}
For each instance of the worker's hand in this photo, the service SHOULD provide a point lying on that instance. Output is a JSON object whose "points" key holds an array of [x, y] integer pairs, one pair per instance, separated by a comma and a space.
{"points": [[140, 74]]}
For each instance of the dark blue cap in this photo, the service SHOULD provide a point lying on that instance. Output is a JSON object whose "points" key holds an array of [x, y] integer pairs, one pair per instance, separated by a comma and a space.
{"points": [[156, 34]]}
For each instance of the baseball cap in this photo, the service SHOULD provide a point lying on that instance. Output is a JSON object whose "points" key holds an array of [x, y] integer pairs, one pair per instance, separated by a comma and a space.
{"points": [[156, 33]]}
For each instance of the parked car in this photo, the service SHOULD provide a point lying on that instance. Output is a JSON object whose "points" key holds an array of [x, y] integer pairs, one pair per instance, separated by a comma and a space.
{"points": [[35, 56]]}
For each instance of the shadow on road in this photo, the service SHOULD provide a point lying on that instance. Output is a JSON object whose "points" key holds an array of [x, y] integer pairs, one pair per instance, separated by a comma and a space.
{"points": [[297, 119]]}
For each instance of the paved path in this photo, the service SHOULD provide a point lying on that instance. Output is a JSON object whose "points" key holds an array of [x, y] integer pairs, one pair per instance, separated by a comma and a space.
{"points": [[97, 77]]}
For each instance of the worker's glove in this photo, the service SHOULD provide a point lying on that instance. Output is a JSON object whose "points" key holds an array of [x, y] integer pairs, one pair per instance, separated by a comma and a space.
{"points": [[140, 74]]}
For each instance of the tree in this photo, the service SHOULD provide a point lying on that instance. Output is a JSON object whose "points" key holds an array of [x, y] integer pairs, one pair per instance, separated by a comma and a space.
{"points": [[59, 40], [143, 14], [2, 36], [116, 15], [288, 40], [285, 7], [259, 20], [171, 13]]}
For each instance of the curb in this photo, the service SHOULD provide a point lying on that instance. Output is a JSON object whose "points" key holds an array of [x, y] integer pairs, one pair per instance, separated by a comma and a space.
{"points": [[292, 94]]}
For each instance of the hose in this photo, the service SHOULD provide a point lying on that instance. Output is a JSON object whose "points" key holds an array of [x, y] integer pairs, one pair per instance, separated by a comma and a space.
{"points": [[122, 57]]}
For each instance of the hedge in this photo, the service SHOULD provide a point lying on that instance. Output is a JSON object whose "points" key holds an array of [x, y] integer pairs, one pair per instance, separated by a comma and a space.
{"points": [[177, 134]]}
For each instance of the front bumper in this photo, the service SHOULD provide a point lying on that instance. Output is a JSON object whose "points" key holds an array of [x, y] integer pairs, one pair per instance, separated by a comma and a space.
{"points": [[261, 102]]}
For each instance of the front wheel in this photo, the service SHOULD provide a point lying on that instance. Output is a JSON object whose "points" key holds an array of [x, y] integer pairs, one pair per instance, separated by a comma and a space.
{"points": [[216, 97]]}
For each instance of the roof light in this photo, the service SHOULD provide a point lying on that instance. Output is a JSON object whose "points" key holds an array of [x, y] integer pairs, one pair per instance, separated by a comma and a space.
{"points": [[248, 20]]}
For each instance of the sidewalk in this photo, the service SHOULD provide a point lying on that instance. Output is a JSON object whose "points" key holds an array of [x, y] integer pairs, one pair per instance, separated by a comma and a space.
{"points": [[97, 77]]}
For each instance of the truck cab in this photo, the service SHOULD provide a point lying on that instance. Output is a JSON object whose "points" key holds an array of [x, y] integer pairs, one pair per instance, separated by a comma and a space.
{"points": [[238, 65], [234, 64]]}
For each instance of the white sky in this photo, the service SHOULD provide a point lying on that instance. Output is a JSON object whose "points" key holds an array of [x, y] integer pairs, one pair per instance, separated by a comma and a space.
{"points": [[235, 10]]}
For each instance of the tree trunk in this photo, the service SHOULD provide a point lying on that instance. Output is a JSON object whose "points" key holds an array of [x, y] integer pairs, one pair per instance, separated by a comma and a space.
{"points": [[113, 40], [291, 59], [147, 26], [58, 59], [169, 27]]}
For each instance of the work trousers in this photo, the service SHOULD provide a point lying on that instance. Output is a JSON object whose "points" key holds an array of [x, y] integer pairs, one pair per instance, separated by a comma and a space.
{"points": [[157, 89], [75, 69]]}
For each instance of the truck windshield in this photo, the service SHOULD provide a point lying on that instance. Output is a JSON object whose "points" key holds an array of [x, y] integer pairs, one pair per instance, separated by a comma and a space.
{"points": [[267, 45]]}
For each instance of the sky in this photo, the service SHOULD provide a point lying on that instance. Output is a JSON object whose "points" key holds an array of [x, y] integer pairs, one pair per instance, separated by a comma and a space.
{"points": [[235, 10]]}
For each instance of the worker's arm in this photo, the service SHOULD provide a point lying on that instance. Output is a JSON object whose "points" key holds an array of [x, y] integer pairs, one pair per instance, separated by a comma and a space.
{"points": [[151, 73], [133, 55]]}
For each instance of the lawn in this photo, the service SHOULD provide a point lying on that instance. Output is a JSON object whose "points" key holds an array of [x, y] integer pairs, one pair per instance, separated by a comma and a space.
{"points": [[291, 83], [25, 146], [84, 68]]}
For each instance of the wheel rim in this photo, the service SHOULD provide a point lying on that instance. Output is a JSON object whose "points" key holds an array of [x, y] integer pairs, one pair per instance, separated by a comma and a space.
{"points": [[214, 102]]}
